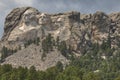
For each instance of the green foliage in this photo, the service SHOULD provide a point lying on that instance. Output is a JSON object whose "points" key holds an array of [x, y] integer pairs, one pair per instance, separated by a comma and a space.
{"points": [[118, 78], [62, 47], [29, 42], [47, 44], [32, 74], [57, 41], [37, 41], [5, 52], [22, 73], [65, 50], [91, 76], [90, 66], [83, 68], [59, 66], [70, 73], [51, 73]]}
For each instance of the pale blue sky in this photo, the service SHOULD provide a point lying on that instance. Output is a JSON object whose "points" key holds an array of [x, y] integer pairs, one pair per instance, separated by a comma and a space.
{"points": [[55, 6]]}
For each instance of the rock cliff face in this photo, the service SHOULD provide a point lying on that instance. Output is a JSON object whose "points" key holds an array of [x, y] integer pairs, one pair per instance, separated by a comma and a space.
{"points": [[78, 31], [13, 19]]}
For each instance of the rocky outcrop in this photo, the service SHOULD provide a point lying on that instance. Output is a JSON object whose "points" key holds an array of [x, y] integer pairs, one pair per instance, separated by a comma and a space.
{"points": [[78, 31], [32, 56], [13, 19]]}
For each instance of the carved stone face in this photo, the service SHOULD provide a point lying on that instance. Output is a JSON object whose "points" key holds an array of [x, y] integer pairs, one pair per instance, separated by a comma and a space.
{"points": [[30, 19], [44, 19]]}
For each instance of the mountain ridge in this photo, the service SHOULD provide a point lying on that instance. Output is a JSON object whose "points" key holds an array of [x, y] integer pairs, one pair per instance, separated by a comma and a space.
{"points": [[63, 34]]}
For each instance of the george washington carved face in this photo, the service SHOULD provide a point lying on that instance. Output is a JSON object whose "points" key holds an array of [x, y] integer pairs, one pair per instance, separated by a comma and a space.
{"points": [[30, 19]]}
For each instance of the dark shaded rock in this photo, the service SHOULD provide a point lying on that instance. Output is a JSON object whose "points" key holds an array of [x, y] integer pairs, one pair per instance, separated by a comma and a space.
{"points": [[12, 20]]}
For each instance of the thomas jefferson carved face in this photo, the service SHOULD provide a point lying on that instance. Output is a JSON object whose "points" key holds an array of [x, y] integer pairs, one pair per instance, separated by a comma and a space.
{"points": [[44, 19]]}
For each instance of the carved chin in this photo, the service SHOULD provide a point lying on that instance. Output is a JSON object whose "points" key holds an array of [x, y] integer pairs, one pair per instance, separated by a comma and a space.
{"points": [[42, 22], [22, 28]]}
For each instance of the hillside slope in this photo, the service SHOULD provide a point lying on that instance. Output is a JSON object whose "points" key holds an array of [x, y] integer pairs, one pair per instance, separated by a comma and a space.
{"points": [[30, 35]]}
